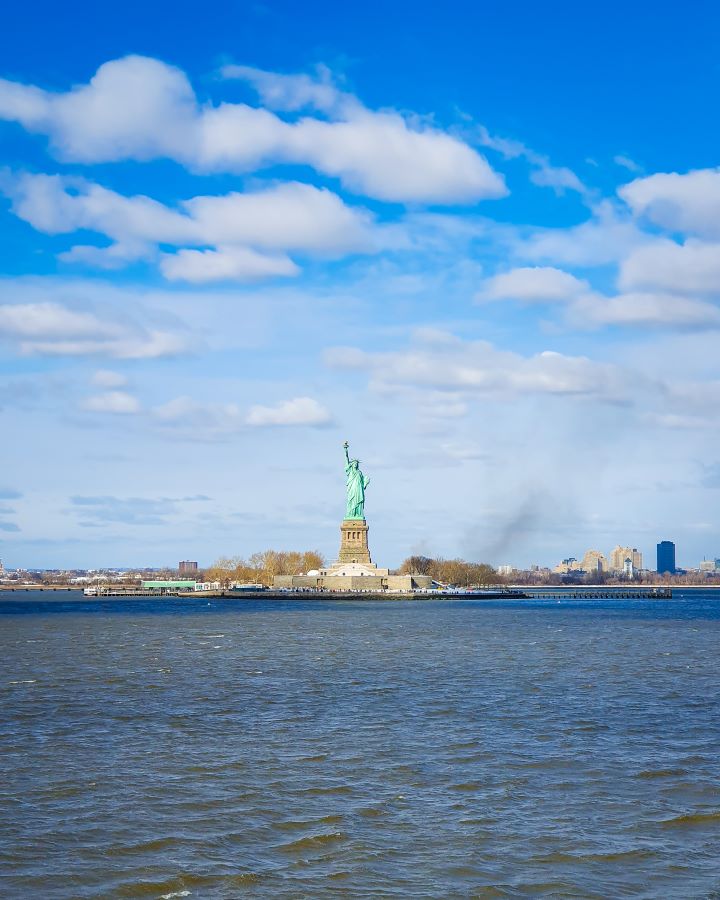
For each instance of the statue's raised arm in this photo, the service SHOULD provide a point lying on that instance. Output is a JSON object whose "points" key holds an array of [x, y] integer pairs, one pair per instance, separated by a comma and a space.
{"points": [[355, 486]]}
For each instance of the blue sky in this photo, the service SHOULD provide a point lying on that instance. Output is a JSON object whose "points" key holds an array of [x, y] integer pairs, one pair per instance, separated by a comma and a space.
{"points": [[479, 241]]}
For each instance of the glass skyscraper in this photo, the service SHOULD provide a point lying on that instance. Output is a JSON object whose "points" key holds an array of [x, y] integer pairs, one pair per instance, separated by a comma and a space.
{"points": [[666, 557]]}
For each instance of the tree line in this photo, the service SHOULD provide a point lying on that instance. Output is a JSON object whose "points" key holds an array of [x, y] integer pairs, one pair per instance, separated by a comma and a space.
{"points": [[451, 571], [262, 567]]}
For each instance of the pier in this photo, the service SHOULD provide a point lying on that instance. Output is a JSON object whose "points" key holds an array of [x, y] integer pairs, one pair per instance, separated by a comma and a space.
{"points": [[655, 593]]}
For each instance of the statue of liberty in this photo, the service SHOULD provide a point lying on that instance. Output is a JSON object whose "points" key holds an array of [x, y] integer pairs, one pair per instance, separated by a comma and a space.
{"points": [[356, 484]]}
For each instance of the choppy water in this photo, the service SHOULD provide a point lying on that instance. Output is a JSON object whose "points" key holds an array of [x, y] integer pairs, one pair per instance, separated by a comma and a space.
{"points": [[160, 748]]}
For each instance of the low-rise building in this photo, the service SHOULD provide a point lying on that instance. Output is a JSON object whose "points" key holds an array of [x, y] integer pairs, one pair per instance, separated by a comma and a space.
{"points": [[168, 585]]}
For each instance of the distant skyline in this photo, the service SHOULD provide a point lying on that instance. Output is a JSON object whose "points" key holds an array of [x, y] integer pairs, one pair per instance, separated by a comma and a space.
{"points": [[480, 242]]}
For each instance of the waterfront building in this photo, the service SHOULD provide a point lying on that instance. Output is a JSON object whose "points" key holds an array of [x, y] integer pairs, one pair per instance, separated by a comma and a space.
{"points": [[666, 558], [163, 586]]}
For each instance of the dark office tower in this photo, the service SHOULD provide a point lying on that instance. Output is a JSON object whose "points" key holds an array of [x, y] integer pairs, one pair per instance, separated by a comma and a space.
{"points": [[666, 557]]}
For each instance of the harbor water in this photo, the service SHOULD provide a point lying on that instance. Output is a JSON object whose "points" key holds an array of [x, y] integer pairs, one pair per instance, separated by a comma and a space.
{"points": [[166, 748]]}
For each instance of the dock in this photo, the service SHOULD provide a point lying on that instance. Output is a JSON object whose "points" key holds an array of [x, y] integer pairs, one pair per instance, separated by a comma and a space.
{"points": [[655, 593]]}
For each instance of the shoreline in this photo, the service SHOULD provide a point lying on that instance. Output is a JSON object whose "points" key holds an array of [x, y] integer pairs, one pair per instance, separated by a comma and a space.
{"points": [[297, 595], [526, 593]]}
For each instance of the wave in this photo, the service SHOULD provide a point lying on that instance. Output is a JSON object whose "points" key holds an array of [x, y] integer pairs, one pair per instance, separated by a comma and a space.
{"points": [[611, 856], [661, 773], [314, 842], [298, 824], [690, 819], [466, 786]]}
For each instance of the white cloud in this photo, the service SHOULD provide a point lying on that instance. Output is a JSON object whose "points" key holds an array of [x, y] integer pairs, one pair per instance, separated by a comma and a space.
{"points": [[242, 227], [105, 378], [225, 263], [476, 367], [543, 174], [290, 216], [684, 203], [689, 268], [379, 155], [188, 419], [213, 421], [643, 309], [116, 256], [141, 108], [680, 422], [50, 329], [50, 321], [133, 107], [621, 160], [56, 204], [559, 178], [112, 402], [586, 309], [300, 411], [291, 93], [210, 417], [533, 285], [605, 238]]}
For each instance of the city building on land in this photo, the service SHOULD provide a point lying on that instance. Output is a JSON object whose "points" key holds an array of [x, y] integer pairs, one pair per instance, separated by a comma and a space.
{"points": [[505, 570], [708, 565], [666, 558], [187, 566], [172, 585], [594, 561], [626, 560]]}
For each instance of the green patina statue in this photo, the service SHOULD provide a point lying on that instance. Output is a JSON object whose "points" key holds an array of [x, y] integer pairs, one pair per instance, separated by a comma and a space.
{"points": [[356, 484]]}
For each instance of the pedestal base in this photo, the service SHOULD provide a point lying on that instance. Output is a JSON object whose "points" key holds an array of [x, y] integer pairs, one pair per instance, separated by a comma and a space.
{"points": [[354, 542]]}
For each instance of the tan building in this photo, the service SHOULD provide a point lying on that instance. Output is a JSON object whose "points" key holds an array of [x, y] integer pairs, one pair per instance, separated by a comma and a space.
{"points": [[620, 556], [593, 561]]}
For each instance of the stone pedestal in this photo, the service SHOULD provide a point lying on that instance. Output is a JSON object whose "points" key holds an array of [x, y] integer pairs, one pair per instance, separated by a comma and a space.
{"points": [[354, 542]]}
